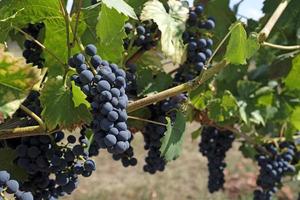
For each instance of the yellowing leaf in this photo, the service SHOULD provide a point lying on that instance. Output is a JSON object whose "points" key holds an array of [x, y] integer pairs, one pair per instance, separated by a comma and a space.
{"points": [[171, 25], [16, 79]]}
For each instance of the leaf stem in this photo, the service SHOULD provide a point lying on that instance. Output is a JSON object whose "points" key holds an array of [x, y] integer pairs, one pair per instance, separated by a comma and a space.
{"points": [[146, 120], [67, 22], [79, 5], [136, 56], [41, 45], [33, 115], [276, 46], [265, 32]]}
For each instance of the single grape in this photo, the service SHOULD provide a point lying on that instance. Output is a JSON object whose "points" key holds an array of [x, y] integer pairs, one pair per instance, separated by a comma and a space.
{"points": [[91, 50]]}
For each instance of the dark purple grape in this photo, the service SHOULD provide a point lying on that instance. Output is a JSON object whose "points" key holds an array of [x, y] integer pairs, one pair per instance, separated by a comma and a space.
{"points": [[91, 50]]}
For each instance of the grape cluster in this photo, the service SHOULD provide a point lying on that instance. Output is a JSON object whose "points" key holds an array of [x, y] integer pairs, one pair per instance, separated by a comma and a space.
{"points": [[106, 92], [11, 186], [32, 52], [131, 89], [153, 132], [51, 162], [273, 166], [145, 35], [198, 44], [127, 158], [214, 144]]}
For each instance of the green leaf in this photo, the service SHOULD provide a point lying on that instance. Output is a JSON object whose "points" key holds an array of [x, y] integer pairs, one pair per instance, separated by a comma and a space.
{"points": [[292, 80], [111, 31], [121, 6], [248, 150], [195, 134], [201, 100], [16, 80], [59, 108], [173, 139], [149, 81], [7, 158], [78, 96], [252, 45], [31, 11], [246, 88], [236, 49], [171, 25], [295, 117], [242, 111], [224, 109], [257, 118]]}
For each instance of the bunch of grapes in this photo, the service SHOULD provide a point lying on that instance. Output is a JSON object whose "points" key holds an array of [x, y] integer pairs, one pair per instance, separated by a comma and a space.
{"points": [[214, 144], [52, 163], [145, 35], [105, 91], [12, 187], [153, 132], [131, 89], [33, 52], [198, 44], [127, 158], [273, 166]]}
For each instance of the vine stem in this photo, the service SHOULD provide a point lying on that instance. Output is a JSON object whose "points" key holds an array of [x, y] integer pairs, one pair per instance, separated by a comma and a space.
{"points": [[21, 132], [185, 87], [40, 44], [33, 115], [276, 46], [67, 22], [265, 32], [146, 120]]}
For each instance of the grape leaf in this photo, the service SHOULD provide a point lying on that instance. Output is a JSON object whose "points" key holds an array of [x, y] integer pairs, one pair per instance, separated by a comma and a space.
{"points": [[91, 17], [171, 25], [136, 4], [149, 82], [31, 11], [223, 110], [111, 31], [173, 138], [121, 6], [236, 48], [16, 80], [78, 96], [295, 117], [291, 80], [246, 88], [252, 45], [7, 157], [195, 134], [201, 99], [59, 108]]}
